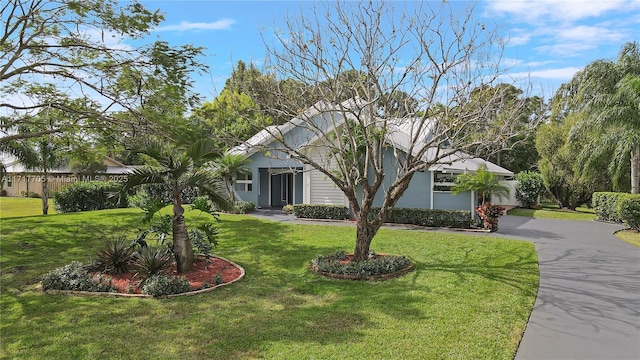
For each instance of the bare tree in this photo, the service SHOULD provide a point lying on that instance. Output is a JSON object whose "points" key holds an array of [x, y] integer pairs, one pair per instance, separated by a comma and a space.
{"points": [[429, 51]]}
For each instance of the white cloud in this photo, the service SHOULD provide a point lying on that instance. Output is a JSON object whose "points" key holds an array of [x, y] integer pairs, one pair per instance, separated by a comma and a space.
{"points": [[223, 24], [564, 10], [590, 34], [565, 73]]}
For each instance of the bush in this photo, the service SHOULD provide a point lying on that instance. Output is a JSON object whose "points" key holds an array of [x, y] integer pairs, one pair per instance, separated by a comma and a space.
{"points": [[245, 207], [489, 214], [115, 256], [607, 205], [333, 212], [161, 285], [429, 217], [629, 211], [287, 209], [75, 277], [146, 193], [29, 194], [529, 187], [86, 196], [375, 265]]}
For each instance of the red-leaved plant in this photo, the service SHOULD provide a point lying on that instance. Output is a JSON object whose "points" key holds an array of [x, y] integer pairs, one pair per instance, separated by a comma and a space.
{"points": [[489, 213]]}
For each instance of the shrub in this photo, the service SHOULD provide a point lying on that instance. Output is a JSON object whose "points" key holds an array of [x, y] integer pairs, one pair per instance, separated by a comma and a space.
{"points": [[629, 211], [333, 212], [489, 214], [115, 256], [86, 196], [529, 187], [204, 238], [245, 207], [147, 193], [150, 261], [75, 277], [375, 265], [429, 217], [287, 209], [29, 194], [607, 205], [161, 285]]}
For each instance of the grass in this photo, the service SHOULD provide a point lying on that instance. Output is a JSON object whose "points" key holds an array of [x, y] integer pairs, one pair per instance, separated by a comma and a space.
{"points": [[469, 297], [630, 236], [552, 211], [21, 206]]}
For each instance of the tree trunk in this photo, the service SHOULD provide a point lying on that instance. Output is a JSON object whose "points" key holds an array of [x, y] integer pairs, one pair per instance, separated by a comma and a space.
{"points": [[45, 194], [365, 231], [182, 247], [635, 170]]}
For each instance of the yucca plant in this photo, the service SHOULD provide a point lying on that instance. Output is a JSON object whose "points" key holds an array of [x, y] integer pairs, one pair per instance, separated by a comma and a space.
{"points": [[150, 261], [115, 256]]}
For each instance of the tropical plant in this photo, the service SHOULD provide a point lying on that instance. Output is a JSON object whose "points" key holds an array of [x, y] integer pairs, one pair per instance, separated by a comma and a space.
{"points": [[115, 255], [149, 261], [179, 169], [483, 182], [608, 94], [228, 168]]}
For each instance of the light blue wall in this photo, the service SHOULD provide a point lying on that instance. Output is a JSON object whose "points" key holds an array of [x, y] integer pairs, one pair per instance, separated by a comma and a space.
{"points": [[449, 201], [417, 194]]}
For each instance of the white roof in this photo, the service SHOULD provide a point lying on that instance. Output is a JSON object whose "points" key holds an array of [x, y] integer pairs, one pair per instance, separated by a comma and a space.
{"points": [[12, 165], [402, 133]]}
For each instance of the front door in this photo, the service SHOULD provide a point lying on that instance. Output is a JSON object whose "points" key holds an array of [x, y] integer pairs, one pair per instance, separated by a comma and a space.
{"points": [[281, 189]]}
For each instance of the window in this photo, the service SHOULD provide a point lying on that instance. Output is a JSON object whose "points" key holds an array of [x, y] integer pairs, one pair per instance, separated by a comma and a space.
{"points": [[244, 182], [9, 181], [443, 181]]}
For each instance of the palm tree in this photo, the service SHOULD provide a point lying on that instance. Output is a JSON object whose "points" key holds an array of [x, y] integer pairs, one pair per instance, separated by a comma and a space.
{"points": [[228, 167], [179, 169], [40, 154], [609, 94], [483, 182]]}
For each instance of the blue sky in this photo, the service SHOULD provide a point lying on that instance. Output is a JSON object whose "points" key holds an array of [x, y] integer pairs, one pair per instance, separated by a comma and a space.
{"points": [[549, 40]]}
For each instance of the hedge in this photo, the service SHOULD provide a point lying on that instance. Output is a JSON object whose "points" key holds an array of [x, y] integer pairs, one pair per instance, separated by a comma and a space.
{"points": [[629, 210], [607, 205], [86, 196], [332, 212], [460, 219], [422, 217]]}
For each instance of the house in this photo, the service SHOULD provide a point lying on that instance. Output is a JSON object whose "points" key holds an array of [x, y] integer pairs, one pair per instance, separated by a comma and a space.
{"points": [[19, 180], [276, 179]]}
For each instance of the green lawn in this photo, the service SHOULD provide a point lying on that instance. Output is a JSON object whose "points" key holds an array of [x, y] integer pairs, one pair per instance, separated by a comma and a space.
{"points": [[551, 211], [21, 206], [469, 297], [630, 236]]}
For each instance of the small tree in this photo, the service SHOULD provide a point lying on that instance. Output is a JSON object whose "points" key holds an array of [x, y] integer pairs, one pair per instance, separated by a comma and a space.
{"points": [[483, 182], [529, 188], [179, 169], [228, 167]]}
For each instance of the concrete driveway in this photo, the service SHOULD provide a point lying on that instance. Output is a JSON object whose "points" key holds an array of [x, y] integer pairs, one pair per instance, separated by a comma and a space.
{"points": [[588, 303]]}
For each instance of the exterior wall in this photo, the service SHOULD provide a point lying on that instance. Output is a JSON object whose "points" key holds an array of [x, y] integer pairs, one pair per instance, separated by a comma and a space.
{"points": [[417, 195], [318, 188], [447, 201], [511, 200]]}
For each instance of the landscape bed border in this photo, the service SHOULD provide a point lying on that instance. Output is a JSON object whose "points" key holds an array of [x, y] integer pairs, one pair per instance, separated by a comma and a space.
{"points": [[147, 296]]}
